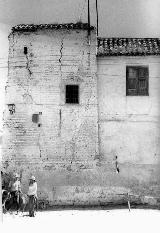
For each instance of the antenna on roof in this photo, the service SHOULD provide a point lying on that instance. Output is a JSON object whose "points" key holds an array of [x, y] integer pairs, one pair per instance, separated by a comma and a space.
{"points": [[89, 29], [97, 15]]}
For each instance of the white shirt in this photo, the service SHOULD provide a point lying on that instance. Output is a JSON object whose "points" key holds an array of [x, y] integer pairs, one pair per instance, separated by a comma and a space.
{"points": [[15, 185], [32, 189]]}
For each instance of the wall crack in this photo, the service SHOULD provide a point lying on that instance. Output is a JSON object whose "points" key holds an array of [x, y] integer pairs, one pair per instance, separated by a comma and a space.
{"points": [[61, 54], [29, 78], [28, 66]]}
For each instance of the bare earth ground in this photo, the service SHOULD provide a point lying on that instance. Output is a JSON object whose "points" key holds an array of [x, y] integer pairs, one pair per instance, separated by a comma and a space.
{"points": [[137, 220]]}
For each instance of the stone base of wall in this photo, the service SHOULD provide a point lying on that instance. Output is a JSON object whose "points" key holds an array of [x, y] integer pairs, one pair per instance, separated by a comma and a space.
{"points": [[60, 188], [97, 197], [87, 197]]}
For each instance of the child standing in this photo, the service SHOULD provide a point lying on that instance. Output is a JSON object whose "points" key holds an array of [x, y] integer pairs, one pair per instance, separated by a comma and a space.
{"points": [[32, 193], [15, 189]]}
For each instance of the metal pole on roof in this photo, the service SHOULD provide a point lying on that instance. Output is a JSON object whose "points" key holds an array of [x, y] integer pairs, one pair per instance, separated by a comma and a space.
{"points": [[89, 29], [89, 19], [97, 15]]}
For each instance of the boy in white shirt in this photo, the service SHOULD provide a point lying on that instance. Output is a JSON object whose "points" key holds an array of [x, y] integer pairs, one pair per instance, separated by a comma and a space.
{"points": [[15, 184], [32, 193], [15, 189]]}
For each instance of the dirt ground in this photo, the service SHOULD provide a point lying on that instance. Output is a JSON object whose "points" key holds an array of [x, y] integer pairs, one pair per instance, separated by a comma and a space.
{"points": [[137, 220]]}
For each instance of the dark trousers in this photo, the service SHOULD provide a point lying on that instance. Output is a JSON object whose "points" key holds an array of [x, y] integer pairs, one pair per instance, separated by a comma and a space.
{"points": [[15, 199], [32, 205]]}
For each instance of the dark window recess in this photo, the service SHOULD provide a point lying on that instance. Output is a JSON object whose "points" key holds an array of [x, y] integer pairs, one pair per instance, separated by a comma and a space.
{"points": [[72, 94], [25, 50], [11, 108], [35, 118], [137, 81]]}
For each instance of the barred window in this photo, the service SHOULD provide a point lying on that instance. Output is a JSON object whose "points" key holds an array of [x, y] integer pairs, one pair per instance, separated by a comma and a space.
{"points": [[72, 94], [137, 80]]}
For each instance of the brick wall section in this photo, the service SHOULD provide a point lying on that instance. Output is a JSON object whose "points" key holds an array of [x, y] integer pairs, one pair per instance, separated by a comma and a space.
{"points": [[67, 141]]}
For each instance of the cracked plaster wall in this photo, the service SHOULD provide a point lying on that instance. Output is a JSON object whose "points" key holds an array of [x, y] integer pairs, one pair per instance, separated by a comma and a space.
{"points": [[129, 126], [63, 150], [73, 161]]}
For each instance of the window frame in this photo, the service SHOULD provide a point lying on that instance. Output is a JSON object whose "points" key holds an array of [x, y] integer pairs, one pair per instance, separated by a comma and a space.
{"points": [[138, 93], [70, 103]]}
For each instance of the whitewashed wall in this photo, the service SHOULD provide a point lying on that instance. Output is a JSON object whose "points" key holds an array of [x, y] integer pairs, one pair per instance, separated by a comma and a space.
{"points": [[73, 153], [129, 126]]}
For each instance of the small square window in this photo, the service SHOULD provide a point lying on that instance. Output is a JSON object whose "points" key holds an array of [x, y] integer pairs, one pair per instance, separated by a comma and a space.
{"points": [[35, 118], [72, 94], [25, 50], [137, 81]]}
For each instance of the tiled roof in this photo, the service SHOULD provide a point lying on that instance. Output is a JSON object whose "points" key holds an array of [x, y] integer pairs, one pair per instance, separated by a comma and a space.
{"points": [[33, 27], [128, 46]]}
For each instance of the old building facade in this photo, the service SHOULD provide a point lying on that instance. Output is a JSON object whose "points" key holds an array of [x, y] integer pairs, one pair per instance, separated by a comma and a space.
{"points": [[82, 115]]}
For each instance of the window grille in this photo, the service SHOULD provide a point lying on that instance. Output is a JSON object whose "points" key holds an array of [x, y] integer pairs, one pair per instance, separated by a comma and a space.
{"points": [[137, 80]]}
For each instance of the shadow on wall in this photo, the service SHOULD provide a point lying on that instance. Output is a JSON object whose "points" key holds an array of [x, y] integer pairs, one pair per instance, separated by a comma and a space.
{"points": [[5, 177]]}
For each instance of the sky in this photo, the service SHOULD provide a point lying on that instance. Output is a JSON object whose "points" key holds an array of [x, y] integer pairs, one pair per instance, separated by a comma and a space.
{"points": [[117, 18], [125, 18]]}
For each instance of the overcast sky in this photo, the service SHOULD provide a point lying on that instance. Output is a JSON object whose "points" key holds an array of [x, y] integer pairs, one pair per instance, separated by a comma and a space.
{"points": [[117, 18], [126, 18]]}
